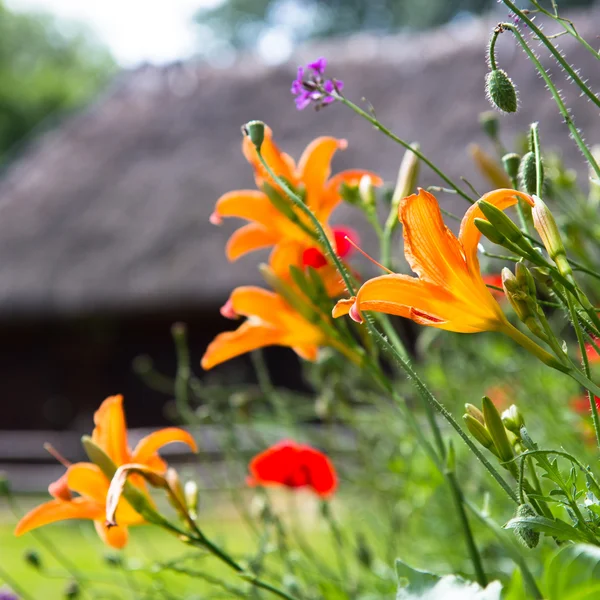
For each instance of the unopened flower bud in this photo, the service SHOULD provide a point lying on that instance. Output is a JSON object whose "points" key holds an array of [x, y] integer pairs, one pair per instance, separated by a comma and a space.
{"points": [[489, 123], [364, 554], [501, 91], [528, 173], [479, 432], [525, 279], [513, 420], [493, 424], [501, 222], [192, 496], [407, 178], [72, 590], [292, 585], [489, 167], [489, 231], [112, 559], [255, 130], [511, 162], [548, 230], [33, 559], [474, 412], [367, 191], [526, 535]]}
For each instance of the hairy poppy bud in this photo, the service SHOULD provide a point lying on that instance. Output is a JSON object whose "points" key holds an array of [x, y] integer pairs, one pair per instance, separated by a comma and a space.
{"points": [[513, 420], [526, 535], [511, 162], [72, 590], [255, 130], [528, 173], [364, 554], [495, 427], [32, 558], [113, 559], [489, 123], [548, 229], [501, 91]]}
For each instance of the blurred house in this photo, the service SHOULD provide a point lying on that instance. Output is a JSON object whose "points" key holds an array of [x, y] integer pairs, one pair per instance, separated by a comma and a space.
{"points": [[104, 232]]}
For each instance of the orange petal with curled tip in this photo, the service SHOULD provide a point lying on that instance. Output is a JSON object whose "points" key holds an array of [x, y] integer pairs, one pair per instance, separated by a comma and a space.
{"points": [[253, 301], [116, 536], [245, 338], [248, 238], [59, 510], [110, 431], [251, 205], [148, 446], [314, 167], [307, 352], [469, 235], [343, 307], [88, 480], [431, 249]]}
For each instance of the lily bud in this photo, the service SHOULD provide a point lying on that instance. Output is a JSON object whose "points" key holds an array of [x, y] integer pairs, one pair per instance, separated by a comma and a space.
{"points": [[479, 432], [192, 497], [496, 429], [255, 130], [405, 183], [489, 231], [522, 300], [501, 222], [513, 420], [528, 173], [489, 167], [511, 162], [366, 191], [474, 412], [547, 228], [501, 91], [525, 279]]}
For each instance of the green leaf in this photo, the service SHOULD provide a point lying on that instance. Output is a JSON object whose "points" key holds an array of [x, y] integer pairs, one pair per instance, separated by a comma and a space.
{"points": [[553, 527], [573, 573], [414, 584]]}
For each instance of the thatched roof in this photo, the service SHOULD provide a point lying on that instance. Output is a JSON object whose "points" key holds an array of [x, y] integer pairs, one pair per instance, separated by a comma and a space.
{"points": [[110, 210]]}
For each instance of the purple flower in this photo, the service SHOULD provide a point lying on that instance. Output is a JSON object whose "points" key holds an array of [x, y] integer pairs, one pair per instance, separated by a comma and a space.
{"points": [[7, 595], [310, 87], [318, 66]]}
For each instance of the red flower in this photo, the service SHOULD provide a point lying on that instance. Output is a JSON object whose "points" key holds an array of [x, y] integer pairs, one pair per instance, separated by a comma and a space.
{"points": [[592, 355], [293, 465], [313, 257], [495, 281], [581, 404]]}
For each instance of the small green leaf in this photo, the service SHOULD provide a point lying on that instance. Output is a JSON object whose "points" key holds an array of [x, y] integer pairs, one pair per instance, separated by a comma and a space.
{"points": [[553, 527]]}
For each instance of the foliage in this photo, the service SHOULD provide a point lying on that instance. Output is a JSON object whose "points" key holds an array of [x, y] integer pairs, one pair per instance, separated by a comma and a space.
{"points": [[47, 68]]}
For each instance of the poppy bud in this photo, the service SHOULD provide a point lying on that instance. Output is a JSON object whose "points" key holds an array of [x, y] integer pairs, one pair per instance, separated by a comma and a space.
{"points": [[479, 432], [548, 229], [511, 162], [255, 130], [489, 167], [501, 91], [474, 412], [526, 535], [72, 590], [113, 559], [364, 554], [513, 420], [501, 222], [489, 231], [495, 427], [32, 558], [528, 173], [489, 123]]}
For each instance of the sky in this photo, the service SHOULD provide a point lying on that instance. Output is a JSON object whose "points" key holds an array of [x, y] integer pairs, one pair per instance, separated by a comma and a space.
{"points": [[157, 31]]}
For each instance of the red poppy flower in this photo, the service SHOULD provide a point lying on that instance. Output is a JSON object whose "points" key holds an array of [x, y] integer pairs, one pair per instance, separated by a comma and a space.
{"points": [[592, 355], [581, 404], [295, 466], [313, 257], [495, 280]]}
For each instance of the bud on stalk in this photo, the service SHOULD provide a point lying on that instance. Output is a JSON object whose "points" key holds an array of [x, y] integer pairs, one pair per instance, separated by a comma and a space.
{"points": [[496, 430]]}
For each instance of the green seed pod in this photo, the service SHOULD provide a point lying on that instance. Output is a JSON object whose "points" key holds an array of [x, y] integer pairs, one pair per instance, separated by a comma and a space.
{"points": [[511, 162], [524, 534], [528, 173], [501, 91], [255, 130]]}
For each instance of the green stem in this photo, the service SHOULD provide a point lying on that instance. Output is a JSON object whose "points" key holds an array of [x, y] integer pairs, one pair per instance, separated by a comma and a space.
{"points": [[535, 134], [182, 375], [529, 345], [395, 138], [555, 94], [15, 587]]}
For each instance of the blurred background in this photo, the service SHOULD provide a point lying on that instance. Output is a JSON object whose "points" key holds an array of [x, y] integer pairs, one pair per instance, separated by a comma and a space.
{"points": [[119, 129]]}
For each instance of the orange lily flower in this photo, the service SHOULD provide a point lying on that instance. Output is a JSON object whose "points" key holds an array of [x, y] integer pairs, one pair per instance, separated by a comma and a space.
{"points": [[449, 292], [90, 483], [290, 235], [271, 322]]}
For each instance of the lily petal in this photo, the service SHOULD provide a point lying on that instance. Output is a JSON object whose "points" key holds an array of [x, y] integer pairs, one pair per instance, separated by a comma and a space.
{"points": [[251, 205], [248, 238], [148, 446], [431, 249], [115, 537], [314, 167], [307, 352], [246, 338], [469, 235], [88, 480], [110, 431], [285, 254], [253, 301], [59, 510], [343, 307], [281, 164]]}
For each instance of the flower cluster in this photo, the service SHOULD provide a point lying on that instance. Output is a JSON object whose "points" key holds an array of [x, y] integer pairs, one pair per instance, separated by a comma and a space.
{"points": [[310, 86]]}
